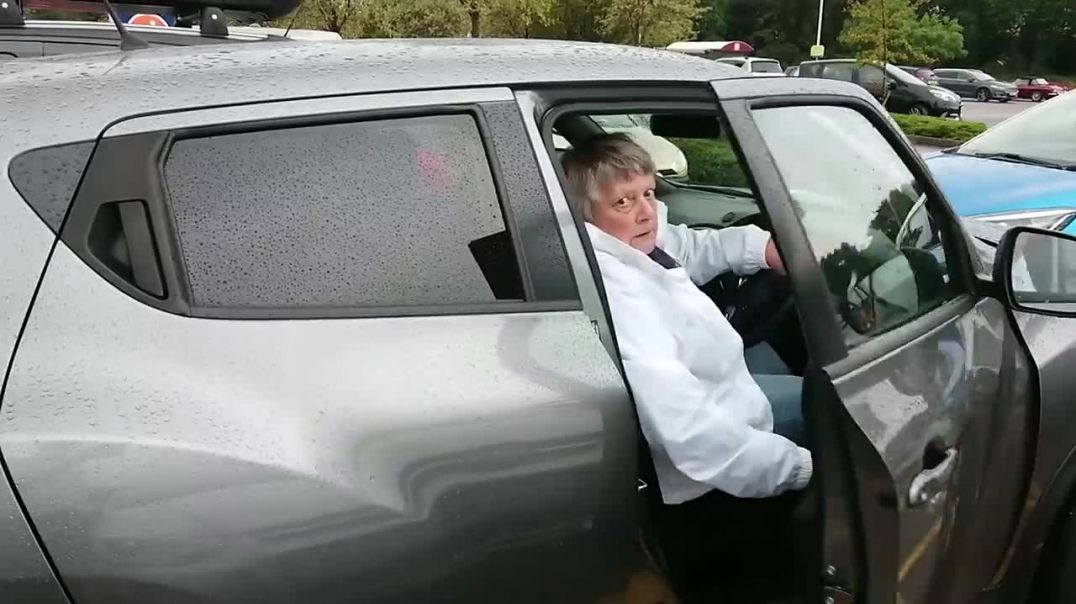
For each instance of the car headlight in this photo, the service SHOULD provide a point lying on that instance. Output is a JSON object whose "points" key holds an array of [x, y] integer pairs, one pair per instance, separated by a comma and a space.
{"points": [[1053, 219]]}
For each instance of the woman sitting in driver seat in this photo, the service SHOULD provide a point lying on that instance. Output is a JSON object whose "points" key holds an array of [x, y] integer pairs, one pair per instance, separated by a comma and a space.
{"points": [[714, 429]]}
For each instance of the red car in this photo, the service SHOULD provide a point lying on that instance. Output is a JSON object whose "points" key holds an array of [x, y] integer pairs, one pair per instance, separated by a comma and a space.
{"points": [[1037, 89]]}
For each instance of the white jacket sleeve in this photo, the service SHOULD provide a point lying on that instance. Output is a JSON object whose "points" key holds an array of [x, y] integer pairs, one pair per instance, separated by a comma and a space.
{"points": [[685, 418], [706, 253]]}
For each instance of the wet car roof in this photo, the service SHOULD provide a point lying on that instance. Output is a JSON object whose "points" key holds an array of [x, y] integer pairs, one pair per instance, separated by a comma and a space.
{"points": [[74, 97]]}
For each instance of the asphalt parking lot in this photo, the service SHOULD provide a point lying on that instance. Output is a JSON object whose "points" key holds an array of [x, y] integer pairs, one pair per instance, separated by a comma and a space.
{"points": [[991, 113]]}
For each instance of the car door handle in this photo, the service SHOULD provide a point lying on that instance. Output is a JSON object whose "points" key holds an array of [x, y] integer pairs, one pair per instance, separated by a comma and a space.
{"points": [[930, 483]]}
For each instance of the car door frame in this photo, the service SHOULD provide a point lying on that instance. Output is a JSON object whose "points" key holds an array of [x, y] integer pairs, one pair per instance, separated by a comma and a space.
{"points": [[859, 538]]}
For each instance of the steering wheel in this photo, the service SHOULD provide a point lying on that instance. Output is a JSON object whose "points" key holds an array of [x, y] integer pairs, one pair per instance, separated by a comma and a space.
{"points": [[753, 304]]}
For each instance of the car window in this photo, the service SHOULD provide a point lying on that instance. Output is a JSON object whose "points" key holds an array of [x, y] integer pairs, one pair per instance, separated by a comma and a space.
{"points": [[615, 122], [1039, 82], [901, 76], [981, 76], [1034, 134], [394, 212], [870, 76], [865, 214], [766, 67], [944, 73], [838, 71], [669, 159]]}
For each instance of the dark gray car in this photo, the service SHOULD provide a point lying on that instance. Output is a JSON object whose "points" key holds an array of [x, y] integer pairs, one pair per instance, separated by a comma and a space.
{"points": [[316, 323], [973, 83]]}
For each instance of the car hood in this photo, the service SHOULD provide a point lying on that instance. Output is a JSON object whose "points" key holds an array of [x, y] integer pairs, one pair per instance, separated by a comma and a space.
{"points": [[975, 185]]}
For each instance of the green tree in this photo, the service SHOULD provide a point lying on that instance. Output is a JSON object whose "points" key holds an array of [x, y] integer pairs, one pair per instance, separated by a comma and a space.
{"points": [[334, 15], [651, 22], [340, 16], [713, 24], [518, 18], [578, 20], [894, 31], [474, 10], [413, 19]]}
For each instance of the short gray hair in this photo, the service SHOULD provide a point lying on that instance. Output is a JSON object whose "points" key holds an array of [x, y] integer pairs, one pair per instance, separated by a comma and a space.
{"points": [[602, 159]]}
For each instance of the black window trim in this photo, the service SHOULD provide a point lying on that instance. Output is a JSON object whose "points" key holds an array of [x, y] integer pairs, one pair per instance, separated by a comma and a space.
{"points": [[178, 299], [958, 256]]}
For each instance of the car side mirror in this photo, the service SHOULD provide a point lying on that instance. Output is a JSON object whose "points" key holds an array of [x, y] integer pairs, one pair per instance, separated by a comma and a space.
{"points": [[1037, 271], [891, 84]]}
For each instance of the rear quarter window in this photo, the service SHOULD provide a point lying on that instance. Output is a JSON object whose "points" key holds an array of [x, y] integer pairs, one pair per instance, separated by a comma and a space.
{"points": [[392, 212]]}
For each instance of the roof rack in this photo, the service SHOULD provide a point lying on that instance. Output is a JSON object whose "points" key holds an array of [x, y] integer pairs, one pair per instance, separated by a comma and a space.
{"points": [[210, 19], [209, 15], [212, 23], [11, 14]]}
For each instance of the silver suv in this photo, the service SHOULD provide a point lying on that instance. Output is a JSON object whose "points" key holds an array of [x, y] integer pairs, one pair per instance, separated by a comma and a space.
{"points": [[316, 323]]}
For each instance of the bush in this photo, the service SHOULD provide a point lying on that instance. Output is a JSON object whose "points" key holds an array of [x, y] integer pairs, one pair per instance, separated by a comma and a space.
{"points": [[711, 162], [937, 127]]}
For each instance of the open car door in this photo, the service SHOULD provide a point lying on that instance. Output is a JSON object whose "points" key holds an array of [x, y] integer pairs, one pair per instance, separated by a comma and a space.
{"points": [[909, 365]]}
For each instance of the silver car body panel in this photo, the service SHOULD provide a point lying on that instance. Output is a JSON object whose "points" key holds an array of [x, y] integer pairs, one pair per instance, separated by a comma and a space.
{"points": [[197, 460], [939, 392], [281, 461], [25, 576]]}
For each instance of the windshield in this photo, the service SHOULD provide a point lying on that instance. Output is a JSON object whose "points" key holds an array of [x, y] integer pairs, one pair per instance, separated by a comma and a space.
{"points": [[903, 76], [980, 76], [766, 67], [1046, 132]]}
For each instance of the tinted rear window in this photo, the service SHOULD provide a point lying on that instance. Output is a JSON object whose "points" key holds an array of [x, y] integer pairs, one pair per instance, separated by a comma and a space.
{"points": [[398, 212]]}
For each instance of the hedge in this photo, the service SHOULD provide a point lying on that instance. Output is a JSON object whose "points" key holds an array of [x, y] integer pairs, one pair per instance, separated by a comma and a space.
{"points": [[937, 127], [713, 162]]}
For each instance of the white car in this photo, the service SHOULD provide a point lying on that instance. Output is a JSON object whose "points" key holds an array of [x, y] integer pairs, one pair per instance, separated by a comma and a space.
{"points": [[668, 158], [756, 65]]}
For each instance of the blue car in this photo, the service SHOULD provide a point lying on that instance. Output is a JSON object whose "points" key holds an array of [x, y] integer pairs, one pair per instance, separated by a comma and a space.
{"points": [[1022, 172]]}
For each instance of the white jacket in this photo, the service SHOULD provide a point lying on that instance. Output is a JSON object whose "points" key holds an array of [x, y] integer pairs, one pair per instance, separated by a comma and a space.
{"points": [[706, 420]]}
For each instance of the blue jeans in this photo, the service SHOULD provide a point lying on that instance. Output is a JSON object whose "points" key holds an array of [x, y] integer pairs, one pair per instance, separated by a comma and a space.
{"points": [[782, 389]]}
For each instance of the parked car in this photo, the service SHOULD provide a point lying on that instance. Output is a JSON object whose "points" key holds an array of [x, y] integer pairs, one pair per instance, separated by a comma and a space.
{"points": [[755, 65], [334, 334], [907, 94], [923, 73], [668, 158], [975, 84], [1021, 172], [1037, 89]]}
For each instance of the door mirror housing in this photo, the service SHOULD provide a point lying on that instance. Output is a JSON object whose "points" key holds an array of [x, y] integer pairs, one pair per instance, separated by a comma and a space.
{"points": [[1036, 269]]}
